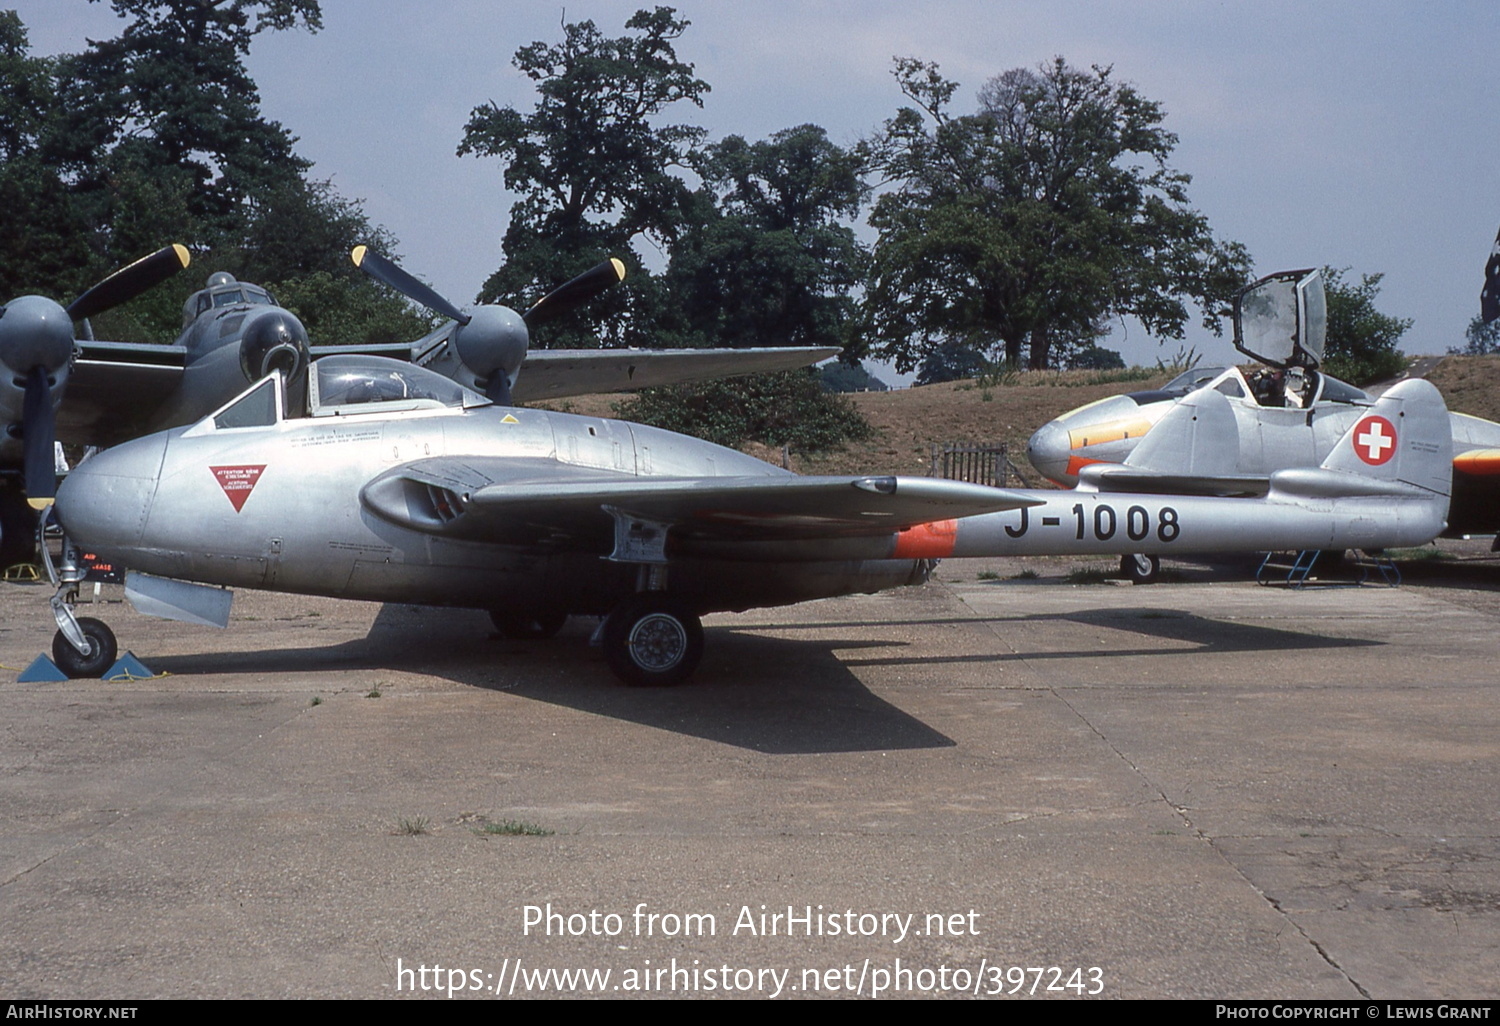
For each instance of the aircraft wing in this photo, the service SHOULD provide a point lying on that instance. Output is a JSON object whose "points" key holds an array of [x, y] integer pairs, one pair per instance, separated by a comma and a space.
{"points": [[495, 499], [557, 373], [112, 383]]}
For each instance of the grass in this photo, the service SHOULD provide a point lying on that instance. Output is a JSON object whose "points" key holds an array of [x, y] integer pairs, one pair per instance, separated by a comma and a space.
{"points": [[413, 827], [316, 700], [1026, 575], [1090, 575], [512, 828], [374, 692], [988, 575]]}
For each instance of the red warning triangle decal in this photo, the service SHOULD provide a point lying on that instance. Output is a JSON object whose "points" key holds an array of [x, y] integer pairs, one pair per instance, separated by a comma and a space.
{"points": [[238, 482]]}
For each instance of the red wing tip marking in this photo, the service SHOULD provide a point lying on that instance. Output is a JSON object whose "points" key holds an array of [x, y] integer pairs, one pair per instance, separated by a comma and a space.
{"points": [[933, 540], [238, 482], [1077, 463]]}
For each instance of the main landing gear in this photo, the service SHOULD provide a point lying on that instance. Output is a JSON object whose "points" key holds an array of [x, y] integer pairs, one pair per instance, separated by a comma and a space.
{"points": [[652, 640]]}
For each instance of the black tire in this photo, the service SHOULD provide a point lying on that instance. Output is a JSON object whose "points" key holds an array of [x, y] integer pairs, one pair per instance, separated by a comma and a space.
{"points": [[523, 627], [1138, 568], [101, 655], [651, 640]]}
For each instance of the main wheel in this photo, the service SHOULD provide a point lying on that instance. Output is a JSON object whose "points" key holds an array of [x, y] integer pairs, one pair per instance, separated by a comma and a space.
{"points": [[101, 654], [524, 627], [1140, 569], [652, 640]]}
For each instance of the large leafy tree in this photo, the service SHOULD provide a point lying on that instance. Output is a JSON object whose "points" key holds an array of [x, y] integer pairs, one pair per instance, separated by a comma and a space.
{"points": [[592, 167], [1361, 342], [167, 120], [156, 136], [44, 244], [1033, 220], [771, 256]]}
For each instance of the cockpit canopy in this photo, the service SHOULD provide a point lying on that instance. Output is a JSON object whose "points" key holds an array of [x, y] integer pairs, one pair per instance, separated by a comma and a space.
{"points": [[1282, 319], [221, 290], [343, 385]]}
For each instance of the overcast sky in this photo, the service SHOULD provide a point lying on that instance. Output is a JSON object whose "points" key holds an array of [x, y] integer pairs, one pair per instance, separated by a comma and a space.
{"points": [[1359, 135]]}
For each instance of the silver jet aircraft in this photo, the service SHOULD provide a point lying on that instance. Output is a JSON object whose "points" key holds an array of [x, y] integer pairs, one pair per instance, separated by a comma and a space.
{"points": [[1288, 414], [401, 485]]}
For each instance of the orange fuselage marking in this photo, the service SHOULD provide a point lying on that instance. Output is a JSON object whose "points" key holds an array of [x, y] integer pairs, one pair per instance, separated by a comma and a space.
{"points": [[1113, 431], [1479, 462], [927, 541]]}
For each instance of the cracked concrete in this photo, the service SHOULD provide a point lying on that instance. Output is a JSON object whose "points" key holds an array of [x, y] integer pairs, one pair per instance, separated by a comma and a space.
{"points": [[1204, 789]]}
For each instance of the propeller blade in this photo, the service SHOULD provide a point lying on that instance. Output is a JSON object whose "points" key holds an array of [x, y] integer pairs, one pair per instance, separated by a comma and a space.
{"points": [[498, 390], [577, 290], [38, 434], [127, 283], [388, 273]]}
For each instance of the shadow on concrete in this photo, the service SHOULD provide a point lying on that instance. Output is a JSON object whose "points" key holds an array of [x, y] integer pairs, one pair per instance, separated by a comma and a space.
{"points": [[769, 695]]}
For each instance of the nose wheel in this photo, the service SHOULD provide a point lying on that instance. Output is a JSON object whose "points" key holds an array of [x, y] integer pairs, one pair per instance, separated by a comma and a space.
{"points": [[652, 640], [100, 650]]}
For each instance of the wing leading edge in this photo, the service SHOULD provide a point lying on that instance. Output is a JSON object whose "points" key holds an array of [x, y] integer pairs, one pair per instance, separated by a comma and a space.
{"points": [[502, 500]]}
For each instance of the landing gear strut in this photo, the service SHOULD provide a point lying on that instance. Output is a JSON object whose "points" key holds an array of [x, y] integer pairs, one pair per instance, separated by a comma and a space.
{"points": [[82, 647]]}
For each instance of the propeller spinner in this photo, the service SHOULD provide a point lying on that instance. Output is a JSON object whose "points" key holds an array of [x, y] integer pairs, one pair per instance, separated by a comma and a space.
{"points": [[492, 341], [36, 345]]}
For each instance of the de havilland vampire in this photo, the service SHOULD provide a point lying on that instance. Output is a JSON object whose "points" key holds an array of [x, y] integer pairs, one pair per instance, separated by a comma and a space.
{"points": [[82, 391], [393, 483], [1288, 414]]}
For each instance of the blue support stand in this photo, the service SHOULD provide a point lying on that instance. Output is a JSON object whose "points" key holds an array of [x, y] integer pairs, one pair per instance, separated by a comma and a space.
{"points": [[41, 671], [44, 671]]}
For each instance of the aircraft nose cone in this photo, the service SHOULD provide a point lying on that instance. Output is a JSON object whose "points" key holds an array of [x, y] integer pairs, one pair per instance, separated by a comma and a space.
{"points": [[104, 502], [1048, 452]]}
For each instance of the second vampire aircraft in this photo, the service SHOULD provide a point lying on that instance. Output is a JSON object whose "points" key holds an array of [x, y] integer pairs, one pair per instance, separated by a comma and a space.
{"points": [[1286, 415]]}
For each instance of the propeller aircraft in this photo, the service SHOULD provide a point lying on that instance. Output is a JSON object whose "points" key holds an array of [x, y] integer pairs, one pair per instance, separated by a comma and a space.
{"points": [[234, 334], [38, 355], [1288, 414], [394, 483]]}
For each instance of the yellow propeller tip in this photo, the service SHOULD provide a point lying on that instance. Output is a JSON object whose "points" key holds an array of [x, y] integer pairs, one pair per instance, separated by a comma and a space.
{"points": [[619, 266], [358, 255], [39, 504], [183, 256]]}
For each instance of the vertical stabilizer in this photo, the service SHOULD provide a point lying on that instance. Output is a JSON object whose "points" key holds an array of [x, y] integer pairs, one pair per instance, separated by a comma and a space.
{"points": [[1406, 437]]}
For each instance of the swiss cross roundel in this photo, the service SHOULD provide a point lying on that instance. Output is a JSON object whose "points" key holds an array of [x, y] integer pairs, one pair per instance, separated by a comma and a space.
{"points": [[1375, 440]]}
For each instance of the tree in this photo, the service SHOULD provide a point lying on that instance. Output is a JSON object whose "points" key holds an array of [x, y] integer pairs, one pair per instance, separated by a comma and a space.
{"points": [[1045, 213], [770, 258], [784, 408], [592, 170], [1480, 339], [43, 247], [166, 121], [1361, 342]]}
